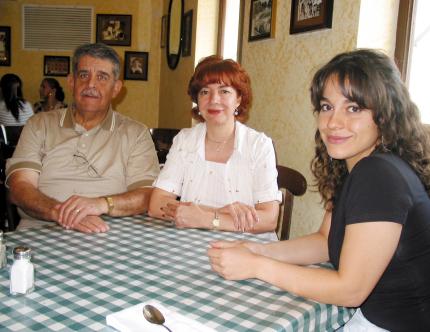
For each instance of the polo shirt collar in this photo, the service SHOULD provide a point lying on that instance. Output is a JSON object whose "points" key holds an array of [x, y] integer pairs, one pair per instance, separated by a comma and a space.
{"points": [[68, 121]]}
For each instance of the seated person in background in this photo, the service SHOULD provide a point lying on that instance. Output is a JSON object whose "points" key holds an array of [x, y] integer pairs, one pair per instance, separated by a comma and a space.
{"points": [[51, 96], [224, 172], [72, 165], [14, 109], [373, 172]]}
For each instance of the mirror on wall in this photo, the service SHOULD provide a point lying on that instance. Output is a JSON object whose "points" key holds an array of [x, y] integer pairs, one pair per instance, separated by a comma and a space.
{"points": [[174, 32]]}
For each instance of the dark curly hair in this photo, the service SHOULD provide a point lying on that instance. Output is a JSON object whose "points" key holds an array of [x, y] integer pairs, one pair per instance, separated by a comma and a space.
{"points": [[371, 79], [213, 69]]}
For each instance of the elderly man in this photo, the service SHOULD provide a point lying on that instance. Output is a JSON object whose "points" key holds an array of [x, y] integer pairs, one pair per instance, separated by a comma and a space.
{"points": [[73, 165]]}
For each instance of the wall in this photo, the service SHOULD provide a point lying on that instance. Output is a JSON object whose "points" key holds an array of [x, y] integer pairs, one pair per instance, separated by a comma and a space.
{"points": [[281, 70], [376, 30], [175, 104], [139, 99]]}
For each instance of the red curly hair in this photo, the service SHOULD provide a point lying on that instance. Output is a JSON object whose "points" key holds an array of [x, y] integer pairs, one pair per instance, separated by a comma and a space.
{"points": [[214, 69]]}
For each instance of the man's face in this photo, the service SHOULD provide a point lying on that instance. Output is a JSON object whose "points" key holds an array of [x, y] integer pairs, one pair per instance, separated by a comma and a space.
{"points": [[94, 85]]}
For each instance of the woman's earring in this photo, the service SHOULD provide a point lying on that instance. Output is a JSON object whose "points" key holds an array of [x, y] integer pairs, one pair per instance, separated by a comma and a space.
{"points": [[236, 112], [383, 146], [199, 113]]}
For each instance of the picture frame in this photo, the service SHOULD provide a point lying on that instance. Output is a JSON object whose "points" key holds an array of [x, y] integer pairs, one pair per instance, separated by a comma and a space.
{"points": [[5, 53], [163, 31], [188, 33], [136, 65], [54, 65], [114, 30], [262, 19], [307, 15]]}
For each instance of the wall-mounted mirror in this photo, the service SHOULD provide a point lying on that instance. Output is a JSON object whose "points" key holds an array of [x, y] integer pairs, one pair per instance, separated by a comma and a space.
{"points": [[174, 32]]}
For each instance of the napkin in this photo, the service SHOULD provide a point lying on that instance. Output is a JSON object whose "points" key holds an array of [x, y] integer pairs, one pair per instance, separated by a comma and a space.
{"points": [[132, 320]]}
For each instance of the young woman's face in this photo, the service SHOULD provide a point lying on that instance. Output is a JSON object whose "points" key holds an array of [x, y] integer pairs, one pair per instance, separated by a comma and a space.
{"points": [[217, 103], [348, 132]]}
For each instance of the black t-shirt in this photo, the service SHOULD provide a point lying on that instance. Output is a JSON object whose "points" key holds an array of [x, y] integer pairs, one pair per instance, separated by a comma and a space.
{"points": [[382, 187]]}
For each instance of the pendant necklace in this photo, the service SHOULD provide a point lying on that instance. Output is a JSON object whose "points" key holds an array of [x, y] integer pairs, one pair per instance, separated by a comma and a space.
{"points": [[220, 145]]}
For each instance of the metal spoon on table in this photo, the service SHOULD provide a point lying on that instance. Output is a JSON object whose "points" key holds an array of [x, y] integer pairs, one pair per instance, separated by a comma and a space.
{"points": [[154, 316]]}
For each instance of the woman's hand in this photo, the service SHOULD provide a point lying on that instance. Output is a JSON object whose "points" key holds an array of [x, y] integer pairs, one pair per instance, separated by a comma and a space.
{"points": [[244, 216], [233, 260], [185, 215]]}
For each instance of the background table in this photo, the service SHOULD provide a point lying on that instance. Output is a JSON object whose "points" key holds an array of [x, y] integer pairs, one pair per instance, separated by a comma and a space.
{"points": [[81, 278]]}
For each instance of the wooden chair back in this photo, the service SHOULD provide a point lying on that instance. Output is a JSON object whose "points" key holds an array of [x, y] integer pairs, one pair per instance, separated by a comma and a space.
{"points": [[292, 183], [9, 217], [163, 139], [9, 135]]}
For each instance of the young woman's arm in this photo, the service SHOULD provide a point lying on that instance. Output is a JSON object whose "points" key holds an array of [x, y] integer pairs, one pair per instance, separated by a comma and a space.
{"points": [[367, 250]]}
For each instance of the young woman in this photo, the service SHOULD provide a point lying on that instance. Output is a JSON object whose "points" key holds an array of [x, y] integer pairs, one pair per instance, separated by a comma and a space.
{"points": [[223, 171], [372, 167], [14, 109], [51, 96]]}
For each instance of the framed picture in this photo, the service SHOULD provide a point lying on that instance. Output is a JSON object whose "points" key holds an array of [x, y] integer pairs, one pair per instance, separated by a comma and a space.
{"points": [[163, 31], [114, 29], [136, 66], [188, 33], [4, 46], [262, 19], [307, 15], [56, 65]]}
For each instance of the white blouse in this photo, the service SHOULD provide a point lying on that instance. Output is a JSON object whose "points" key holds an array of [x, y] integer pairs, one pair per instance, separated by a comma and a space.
{"points": [[7, 119], [249, 176]]}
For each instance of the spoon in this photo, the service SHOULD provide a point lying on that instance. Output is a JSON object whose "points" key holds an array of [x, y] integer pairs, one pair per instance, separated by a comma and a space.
{"points": [[154, 316]]}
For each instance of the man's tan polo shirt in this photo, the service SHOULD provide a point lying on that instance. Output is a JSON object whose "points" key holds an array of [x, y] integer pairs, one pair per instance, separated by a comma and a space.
{"points": [[116, 156]]}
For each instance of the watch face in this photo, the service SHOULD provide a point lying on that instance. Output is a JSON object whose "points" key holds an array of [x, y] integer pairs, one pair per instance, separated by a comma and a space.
{"points": [[215, 223]]}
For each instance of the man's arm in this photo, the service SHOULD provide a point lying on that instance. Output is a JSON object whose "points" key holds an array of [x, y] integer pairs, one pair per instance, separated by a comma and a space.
{"points": [[25, 194], [76, 208]]}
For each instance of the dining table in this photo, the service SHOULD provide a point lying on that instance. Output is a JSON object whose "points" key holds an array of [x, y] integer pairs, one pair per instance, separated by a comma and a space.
{"points": [[81, 278]]}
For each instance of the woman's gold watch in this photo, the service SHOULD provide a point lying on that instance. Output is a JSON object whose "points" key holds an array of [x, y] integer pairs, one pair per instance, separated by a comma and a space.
{"points": [[215, 221]]}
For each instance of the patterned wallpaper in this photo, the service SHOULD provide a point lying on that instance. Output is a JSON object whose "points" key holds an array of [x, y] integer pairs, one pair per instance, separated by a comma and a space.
{"points": [[281, 70]]}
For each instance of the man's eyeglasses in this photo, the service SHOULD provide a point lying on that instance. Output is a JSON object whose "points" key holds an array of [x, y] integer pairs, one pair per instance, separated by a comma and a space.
{"points": [[81, 160]]}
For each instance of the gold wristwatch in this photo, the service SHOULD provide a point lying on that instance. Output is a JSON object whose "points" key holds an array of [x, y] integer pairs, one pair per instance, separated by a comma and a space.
{"points": [[110, 204], [215, 221]]}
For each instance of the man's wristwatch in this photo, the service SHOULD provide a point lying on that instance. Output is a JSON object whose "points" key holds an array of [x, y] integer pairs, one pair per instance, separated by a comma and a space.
{"points": [[109, 201], [215, 221]]}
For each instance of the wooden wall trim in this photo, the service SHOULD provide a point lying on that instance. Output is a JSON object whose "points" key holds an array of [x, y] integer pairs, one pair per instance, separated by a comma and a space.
{"points": [[403, 36]]}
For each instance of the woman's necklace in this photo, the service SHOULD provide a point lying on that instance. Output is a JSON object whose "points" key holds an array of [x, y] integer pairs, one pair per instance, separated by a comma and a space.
{"points": [[220, 144]]}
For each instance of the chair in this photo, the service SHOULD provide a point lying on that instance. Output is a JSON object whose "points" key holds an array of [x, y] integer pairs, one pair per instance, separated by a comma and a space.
{"points": [[9, 135], [163, 139], [294, 184], [9, 217]]}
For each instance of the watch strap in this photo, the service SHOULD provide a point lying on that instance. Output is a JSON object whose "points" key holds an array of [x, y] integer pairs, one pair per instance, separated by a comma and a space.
{"points": [[216, 220], [109, 201]]}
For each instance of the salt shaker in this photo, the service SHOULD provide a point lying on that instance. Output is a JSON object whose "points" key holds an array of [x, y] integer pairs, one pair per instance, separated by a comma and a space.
{"points": [[21, 272], [2, 251]]}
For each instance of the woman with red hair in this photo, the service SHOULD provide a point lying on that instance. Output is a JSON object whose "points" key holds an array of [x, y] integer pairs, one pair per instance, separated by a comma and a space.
{"points": [[223, 171]]}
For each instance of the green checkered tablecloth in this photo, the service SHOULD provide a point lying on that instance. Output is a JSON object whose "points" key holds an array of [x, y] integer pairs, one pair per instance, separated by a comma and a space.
{"points": [[82, 278]]}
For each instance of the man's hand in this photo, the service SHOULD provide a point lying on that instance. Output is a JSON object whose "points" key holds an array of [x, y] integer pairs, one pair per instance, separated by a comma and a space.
{"points": [[72, 211], [91, 224]]}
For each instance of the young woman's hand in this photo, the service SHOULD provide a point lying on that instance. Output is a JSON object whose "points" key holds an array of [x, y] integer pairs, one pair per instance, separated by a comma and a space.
{"points": [[233, 260]]}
